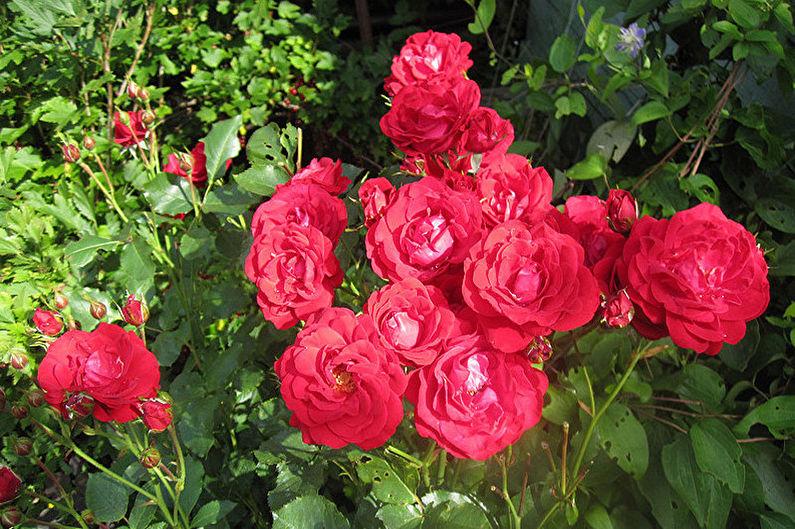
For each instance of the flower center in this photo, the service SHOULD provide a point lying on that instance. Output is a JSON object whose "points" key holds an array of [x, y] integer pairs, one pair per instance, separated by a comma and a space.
{"points": [[429, 240], [343, 381], [402, 330], [477, 378], [101, 368], [528, 282]]}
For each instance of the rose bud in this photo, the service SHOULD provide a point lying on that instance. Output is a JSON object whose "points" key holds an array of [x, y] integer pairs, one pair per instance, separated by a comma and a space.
{"points": [[156, 415], [10, 517], [143, 94], [19, 360], [2, 399], [185, 161], [150, 457], [98, 310], [622, 210], [71, 152], [89, 143], [78, 405], [147, 117], [132, 90], [9, 484], [618, 310], [539, 350], [135, 312], [47, 322], [60, 301], [23, 446], [19, 411], [87, 515], [36, 397], [375, 195]]}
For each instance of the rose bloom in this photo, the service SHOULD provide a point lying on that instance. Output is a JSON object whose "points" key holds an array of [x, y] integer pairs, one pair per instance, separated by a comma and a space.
{"points": [[509, 188], [698, 277], [342, 387], [427, 55], [526, 282], [455, 168], [474, 400], [47, 322], [306, 204], [486, 131], [296, 272], [425, 231], [412, 319], [324, 172], [9, 484], [375, 195], [131, 134], [112, 367], [428, 118], [196, 162], [157, 415]]}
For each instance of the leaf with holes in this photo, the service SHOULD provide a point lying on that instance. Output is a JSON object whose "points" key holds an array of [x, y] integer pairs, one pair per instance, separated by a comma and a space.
{"points": [[624, 439], [777, 213], [387, 485], [309, 512], [778, 414]]}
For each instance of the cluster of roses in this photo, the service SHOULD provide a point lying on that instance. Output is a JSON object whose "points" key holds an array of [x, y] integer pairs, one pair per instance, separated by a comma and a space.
{"points": [[481, 268]]}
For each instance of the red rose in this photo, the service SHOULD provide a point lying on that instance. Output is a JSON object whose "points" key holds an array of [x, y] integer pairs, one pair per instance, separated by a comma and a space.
{"points": [[486, 131], [130, 133], [111, 366], [296, 272], [412, 320], [156, 414], [699, 276], [307, 204], [195, 162], [428, 118], [47, 322], [454, 168], [135, 311], [427, 55], [426, 230], [341, 385], [375, 195], [324, 172], [526, 282], [474, 400], [622, 210], [509, 188], [9, 484]]}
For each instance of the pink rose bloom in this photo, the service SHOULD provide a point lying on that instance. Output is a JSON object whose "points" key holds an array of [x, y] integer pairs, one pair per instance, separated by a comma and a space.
{"points": [[375, 194], [428, 55], [510, 189], [486, 131], [324, 172]]}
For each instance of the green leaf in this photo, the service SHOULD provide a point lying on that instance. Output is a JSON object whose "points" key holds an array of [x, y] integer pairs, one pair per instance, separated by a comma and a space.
{"points": [[765, 460], [309, 512], [702, 187], [612, 139], [597, 518], [106, 497], [141, 514], [196, 423], [295, 479], [268, 145], [387, 485], [700, 383], [649, 112], [718, 453], [83, 251], [624, 439], [483, 16], [658, 80], [220, 145], [738, 355], [744, 14], [169, 198], [778, 214], [211, 513], [778, 414], [562, 54], [400, 516], [229, 200], [453, 510], [59, 110], [137, 265], [262, 180], [669, 511], [194, 480], [593, 166]]}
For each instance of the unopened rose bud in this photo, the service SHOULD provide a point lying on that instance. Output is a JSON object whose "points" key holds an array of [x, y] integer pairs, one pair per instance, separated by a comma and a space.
{"points": [[147, 117], [539, 350], [23, 446], [71, 152], [618, 310], [87, 515], [89, 143], [10, 516], [135, 312], [47, 322], [18, 359], [61, 302], [622, 210], [157, 415], [36, 397], [185, 162], [150, 457], [143, 94], [19, 411], [132, 90], [98, 310]]}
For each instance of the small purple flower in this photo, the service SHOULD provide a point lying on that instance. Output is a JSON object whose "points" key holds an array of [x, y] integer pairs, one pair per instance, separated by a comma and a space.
{"points": [[632, 39]]}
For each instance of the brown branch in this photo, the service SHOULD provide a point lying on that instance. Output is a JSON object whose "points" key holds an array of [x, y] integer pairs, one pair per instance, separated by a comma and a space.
{"points": [[150, 12]]}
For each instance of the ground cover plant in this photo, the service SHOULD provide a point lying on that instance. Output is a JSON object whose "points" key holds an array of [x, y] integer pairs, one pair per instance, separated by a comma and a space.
{"points": [[549, 290]]}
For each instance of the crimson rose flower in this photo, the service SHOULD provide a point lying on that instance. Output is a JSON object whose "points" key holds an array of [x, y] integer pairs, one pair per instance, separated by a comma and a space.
{"points": [[622, 210], [130, 133], [9, 484], [474, 400], [47, 322], [195, 162], [305, 203], [698, 277], [486, 131], [412, 320], [426, 230], [526, 282], [509, 188], [296, 272], [427, 55], [324, 172], [428, 118], [340, 384], [156, 414], [375, 195], [111, 367]]}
